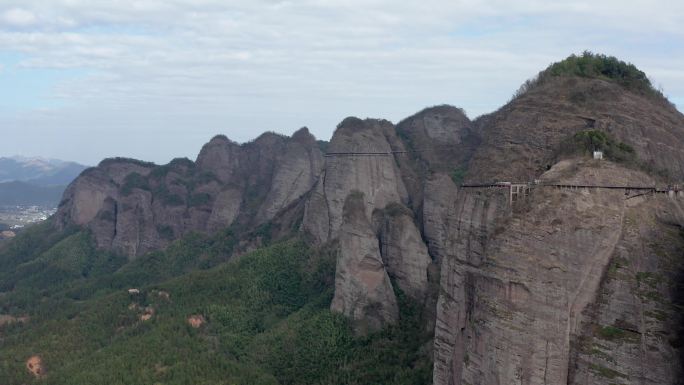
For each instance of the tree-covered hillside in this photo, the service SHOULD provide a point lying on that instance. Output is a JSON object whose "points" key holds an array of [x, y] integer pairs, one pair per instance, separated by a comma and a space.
{"points": [[260, 318]]}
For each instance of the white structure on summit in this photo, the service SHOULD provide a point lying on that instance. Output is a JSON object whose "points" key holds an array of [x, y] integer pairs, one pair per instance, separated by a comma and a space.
{"points": [[598, 154]]}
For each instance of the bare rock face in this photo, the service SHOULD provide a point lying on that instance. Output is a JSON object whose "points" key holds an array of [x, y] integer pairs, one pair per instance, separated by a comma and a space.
{"points": [[519, 293], [439, 140], [86, 196], [296, 173], [439, 209], [361, 180], [225, 209], [359, 160], [471, 223], [134, 207], [316, 216], [623, 332], [222, 157], [442, 137], [363, 290], [403, 251]]}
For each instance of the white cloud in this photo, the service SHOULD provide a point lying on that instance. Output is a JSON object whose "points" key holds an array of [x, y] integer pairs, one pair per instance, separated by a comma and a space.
{"points": [[18, 17], [196, 67]]}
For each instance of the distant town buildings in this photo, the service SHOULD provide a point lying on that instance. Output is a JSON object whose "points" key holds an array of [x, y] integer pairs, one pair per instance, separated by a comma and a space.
{"points": [[15, 218]]}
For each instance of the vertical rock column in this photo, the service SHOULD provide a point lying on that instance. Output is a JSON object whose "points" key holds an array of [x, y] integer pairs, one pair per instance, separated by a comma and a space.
{"points": [[363, 290]]}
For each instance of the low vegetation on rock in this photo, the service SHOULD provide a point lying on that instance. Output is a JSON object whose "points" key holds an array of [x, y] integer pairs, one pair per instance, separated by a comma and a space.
{"points": [[597, 66], [587, 141]]}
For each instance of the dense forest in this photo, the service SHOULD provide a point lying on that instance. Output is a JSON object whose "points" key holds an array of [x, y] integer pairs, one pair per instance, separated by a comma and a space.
{"points": [[260, 318]]}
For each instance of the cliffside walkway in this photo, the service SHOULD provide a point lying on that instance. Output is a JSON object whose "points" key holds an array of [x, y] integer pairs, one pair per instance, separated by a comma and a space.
{"points": [[522, 189], [517, 190], [388, 153], [344, 154]]}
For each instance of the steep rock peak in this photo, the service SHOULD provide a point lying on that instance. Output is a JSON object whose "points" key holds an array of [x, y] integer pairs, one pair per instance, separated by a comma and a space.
{"points": [[352, 124], [268, 138], [377, 177], [220, 156], [442, 109], [304, 136], [220, 139], [436, 125], [356, 135], [217, 143], [183, 164]]}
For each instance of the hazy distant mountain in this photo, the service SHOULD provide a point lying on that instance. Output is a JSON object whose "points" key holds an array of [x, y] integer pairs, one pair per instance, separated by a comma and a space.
{"points": [[28, 194], [38, 171], [35, 181]]}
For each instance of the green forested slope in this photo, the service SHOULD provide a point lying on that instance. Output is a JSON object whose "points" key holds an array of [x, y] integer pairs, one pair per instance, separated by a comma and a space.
{"points": [[266, 313]]}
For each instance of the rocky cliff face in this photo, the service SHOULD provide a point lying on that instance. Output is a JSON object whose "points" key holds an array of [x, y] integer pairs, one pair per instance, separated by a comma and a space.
{"points": [[541, 293], [363, 290], [403, 250], [631, 331], [134, 207], [376, 160], [541, 304], [360, 160]]}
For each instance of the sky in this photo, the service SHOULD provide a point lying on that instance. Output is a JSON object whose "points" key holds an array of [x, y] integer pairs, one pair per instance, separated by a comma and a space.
{"points": [[84, 80]]}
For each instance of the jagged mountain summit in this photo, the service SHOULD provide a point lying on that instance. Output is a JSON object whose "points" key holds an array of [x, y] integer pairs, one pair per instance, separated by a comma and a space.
{"points": [[510, 251], [134, 207]]}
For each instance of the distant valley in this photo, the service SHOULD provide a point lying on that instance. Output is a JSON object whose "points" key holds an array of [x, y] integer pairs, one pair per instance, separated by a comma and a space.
{"points": [[30, 188]]}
